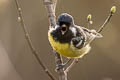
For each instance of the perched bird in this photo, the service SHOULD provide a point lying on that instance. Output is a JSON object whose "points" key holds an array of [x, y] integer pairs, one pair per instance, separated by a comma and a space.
{"points": [[70, 40]]}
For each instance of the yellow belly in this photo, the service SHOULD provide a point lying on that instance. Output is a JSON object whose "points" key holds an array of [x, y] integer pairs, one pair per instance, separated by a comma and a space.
{"points": [[68, 50]]}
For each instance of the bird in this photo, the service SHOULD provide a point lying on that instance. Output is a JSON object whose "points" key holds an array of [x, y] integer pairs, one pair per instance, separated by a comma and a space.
{"points": [[69, 39]]}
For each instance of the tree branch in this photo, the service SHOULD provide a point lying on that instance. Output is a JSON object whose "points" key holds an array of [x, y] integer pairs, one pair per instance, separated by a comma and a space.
{"points": [[70, 66], [51, 6], [35, 53], [62, 74], [112, 11]]}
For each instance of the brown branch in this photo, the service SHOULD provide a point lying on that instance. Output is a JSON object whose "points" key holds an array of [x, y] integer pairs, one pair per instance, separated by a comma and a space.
{"points": [[70, 66], [105, 23], [62, 74], [51, 6], [112, 11], [35, 53]]}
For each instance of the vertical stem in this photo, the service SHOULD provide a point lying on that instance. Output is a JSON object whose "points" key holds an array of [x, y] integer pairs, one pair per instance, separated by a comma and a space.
{"points": [[61, 71], [51, 6]]}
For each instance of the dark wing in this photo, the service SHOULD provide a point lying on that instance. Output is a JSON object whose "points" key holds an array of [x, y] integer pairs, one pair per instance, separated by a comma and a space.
{"points": [[79, 40], [84, 36]]}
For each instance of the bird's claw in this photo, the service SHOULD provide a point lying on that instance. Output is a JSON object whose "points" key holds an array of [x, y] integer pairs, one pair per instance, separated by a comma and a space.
{"points": [[59, 66]]}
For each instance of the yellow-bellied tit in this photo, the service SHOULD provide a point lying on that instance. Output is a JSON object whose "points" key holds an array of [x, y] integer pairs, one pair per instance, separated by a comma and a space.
{"points": [[70, 40]]}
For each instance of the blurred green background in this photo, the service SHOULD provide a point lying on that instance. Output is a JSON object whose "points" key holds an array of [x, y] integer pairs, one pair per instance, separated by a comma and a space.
{"points": [[18, 63]]}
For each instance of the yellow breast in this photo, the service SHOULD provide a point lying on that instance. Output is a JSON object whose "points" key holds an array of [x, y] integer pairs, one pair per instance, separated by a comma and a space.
{"points": [[67, 50]]}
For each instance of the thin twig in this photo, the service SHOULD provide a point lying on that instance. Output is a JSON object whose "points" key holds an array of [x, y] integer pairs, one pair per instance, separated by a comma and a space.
{"points": [[54, 7], [112, 11], [63, 65], [35, 53], [51, 6], [71, 65], [66, 63], [62, 74], [105, 23]]}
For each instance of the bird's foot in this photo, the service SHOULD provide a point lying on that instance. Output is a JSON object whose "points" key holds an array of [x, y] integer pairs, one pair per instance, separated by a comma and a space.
{"points": [[59, 66]]}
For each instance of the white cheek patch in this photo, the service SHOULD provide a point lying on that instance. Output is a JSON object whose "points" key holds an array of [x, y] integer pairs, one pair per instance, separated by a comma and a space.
{"points": [[51, 29], [56, 26], [73, 30]]}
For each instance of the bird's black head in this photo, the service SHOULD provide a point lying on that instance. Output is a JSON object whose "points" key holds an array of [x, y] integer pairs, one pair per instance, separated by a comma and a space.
{"points": [[62, 31], [65, 18]]}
